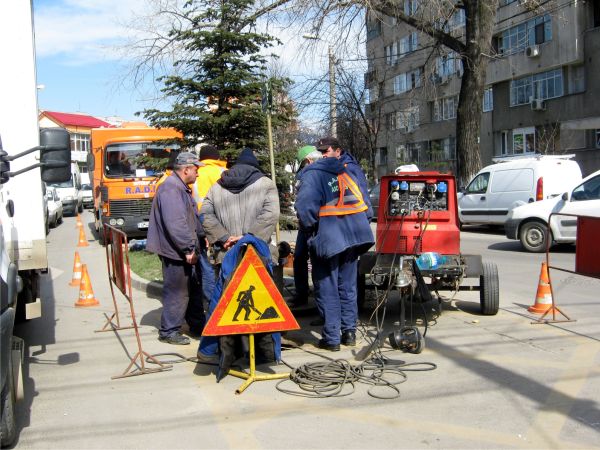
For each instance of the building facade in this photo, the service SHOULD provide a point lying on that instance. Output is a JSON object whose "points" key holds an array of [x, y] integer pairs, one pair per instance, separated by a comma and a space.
{"points": [[540, 94]]}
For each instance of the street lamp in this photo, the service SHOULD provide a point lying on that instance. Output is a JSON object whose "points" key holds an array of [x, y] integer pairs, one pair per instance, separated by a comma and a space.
{"points": [[332, 99]]}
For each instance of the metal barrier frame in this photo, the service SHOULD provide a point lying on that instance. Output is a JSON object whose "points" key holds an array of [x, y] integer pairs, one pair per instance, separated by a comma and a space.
{"points": [[119, 275]]}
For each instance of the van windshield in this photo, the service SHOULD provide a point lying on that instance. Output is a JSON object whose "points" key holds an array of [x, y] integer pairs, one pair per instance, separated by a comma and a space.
{"points": [[64, 184], [135, 160]]}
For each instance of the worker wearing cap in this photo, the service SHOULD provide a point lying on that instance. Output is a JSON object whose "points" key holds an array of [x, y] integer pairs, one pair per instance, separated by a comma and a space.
{"points": [[306, 156], [174, 233], [208, 175], [334, 210]]}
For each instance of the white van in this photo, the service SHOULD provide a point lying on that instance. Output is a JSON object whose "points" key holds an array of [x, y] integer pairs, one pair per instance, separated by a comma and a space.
{"points": [[69, 192], [500, 187]]}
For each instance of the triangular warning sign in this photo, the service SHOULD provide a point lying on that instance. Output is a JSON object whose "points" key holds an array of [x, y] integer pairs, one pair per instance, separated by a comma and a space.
{"points": [[250, 303]]}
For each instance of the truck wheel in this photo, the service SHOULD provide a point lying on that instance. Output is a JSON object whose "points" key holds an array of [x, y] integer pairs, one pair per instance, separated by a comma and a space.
{"points": [[489, 295], [8, 425], [533, 236]]}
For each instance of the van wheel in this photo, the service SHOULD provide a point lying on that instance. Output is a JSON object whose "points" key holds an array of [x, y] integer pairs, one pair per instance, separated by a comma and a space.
{"points": [[533, 236], [80, 208]]}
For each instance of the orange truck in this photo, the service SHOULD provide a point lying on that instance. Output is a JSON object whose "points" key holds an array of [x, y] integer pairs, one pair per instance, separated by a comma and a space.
{"points": [[123, 183]]}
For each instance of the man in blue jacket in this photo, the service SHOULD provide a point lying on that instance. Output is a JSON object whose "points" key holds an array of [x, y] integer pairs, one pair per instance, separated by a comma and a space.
{"points": [[334, 210], [174, 233]]}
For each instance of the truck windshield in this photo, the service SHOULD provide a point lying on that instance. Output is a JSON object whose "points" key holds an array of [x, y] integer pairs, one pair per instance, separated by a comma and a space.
{"points": [[135, 160]]}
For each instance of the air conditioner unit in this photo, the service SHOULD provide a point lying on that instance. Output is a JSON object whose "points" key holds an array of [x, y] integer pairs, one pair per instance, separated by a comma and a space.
{"points": [[532, 51], [538, 105]]}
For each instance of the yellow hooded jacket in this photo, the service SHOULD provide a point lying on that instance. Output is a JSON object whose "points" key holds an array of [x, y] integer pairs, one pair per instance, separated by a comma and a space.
{"points": [[207, 176]]}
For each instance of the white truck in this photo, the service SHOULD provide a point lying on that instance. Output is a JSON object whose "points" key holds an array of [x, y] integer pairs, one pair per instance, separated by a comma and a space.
{"points": [[25, 165]]}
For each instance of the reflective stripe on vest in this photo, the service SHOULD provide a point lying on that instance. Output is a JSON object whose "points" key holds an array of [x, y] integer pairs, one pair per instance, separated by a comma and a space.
{"points": [[350, 200]]}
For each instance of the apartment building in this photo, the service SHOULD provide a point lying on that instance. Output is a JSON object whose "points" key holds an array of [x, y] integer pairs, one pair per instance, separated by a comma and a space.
{"points": [[541, 88]]}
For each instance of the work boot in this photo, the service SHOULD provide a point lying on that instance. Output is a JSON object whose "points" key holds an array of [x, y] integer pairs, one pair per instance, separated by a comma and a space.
{"points": [[327, 346], [207, 359], [349, 338], [175, 339]]}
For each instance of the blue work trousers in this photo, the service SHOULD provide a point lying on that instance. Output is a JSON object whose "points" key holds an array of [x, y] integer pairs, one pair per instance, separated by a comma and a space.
{"points": [[207, 274], [182, 298], [301, 254], [336, 293]]}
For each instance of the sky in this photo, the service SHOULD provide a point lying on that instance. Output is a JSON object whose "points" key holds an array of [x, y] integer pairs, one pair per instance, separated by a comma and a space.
{"points": [[81, 69]]}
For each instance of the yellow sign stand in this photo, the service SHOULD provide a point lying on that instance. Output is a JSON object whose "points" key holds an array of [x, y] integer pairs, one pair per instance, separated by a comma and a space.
{"points": [[251, 303]]}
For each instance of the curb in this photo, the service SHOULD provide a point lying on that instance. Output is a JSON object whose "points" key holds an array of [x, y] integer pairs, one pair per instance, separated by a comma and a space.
{"points": [[152, 289]]}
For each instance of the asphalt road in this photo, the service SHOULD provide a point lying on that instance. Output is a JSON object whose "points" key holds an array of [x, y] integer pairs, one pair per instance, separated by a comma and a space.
{"points": [[500, 381]]}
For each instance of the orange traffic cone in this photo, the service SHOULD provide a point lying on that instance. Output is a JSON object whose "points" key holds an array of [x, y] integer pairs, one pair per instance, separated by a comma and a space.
{"points": [[79, 222], [86, 293], [76, 280], [82, 239], [543, 298]]}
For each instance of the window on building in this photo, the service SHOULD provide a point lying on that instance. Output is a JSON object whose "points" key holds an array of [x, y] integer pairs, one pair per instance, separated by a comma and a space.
{"points": [[488, 99], [401, 153], [506, 2], [80, 142], [410, 7], [504, 143], [373, 27], [413, 149], [523, 140], [442, 149], [576, 79], [407, 81], [382, 156], [408, 44], [445, 108], [540, 86], [535, 31], [597, 138], [448, 65]]}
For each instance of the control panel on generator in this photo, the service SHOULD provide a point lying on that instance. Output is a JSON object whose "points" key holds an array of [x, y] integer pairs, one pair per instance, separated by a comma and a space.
{"points": [[418, 214]]}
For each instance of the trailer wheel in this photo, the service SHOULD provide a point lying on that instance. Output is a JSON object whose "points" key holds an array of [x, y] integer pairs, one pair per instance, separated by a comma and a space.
{"points": [[489, 295], [8, 425]]}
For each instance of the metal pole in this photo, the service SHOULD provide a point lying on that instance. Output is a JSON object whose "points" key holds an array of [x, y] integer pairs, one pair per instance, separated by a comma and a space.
{"points": [[332, 101], [272, 158]]}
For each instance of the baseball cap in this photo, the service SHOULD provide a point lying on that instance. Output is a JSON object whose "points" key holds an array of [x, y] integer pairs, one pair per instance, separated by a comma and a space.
{"points": [[327, 142], [187, 159], [303, 152]]}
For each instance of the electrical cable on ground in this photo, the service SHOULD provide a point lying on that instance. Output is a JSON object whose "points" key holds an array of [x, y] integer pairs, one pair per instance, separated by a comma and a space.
{"points": [[338, 377]]}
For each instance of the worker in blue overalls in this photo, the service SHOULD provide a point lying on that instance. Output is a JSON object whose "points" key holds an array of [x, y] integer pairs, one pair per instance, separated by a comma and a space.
{"points": [[334, 210]]}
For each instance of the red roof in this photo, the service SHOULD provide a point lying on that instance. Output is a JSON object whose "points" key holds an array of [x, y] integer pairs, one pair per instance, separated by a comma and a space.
{"points": [[76, 120]]}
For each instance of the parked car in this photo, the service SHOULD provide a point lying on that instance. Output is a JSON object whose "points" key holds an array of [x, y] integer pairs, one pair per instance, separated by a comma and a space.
{"points": [[87, 196], [500, 187], [55, 207], [529, 223]]}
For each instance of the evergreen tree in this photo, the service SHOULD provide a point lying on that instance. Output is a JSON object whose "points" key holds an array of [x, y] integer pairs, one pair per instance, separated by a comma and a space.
{"points": [[217, 91]]}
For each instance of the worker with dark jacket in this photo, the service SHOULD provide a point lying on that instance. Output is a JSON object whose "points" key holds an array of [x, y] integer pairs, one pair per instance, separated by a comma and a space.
{"points": [[334, 210], [174, 233]]}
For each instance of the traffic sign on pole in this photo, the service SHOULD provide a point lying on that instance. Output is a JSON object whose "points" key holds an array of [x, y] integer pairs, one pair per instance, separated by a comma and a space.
{"points": [[250, 303]]}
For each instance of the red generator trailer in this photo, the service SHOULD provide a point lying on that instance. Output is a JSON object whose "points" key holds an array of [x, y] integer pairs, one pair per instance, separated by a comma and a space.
{"points": [[418, 238]]}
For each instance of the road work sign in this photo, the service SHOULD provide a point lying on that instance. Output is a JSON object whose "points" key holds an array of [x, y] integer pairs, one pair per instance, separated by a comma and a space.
{"points": [[250, 303]]}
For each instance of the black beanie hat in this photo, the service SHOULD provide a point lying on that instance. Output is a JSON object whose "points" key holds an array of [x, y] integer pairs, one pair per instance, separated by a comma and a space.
{"points": [[209, 152], [247, 157]]}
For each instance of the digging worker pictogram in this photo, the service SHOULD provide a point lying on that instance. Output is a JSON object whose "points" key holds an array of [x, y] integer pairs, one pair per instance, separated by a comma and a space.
{"points": [[245, 303]]}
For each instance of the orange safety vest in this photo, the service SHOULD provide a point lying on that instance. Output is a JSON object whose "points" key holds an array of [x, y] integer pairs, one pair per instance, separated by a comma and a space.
{"points": [[350, 200]]}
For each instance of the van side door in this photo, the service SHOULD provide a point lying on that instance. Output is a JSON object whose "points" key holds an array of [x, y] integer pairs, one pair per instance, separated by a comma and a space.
{"points": [[472, 205], [509, 188]]}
